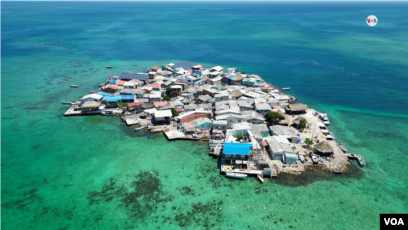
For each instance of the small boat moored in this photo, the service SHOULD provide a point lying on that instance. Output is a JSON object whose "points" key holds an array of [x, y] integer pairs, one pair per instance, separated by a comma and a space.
{"points": [[360, 160], [342, 147], [288, 88], [236, 175], [109, 67], [140, 128], [74, 86], [314, 159], [301, 157], [108, 113]]}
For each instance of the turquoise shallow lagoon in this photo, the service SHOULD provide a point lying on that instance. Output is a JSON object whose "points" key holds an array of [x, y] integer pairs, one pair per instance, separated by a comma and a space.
{"points": [[96, 173]]}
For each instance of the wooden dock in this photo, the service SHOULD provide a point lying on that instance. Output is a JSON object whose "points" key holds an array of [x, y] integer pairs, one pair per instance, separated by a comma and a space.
{"points": [[228, 168]]}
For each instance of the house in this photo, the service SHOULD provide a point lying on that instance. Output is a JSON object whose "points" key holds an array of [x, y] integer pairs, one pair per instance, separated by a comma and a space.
{"points": [[162, 116], [285, 131], [204, 98], [244, 106], [152, 75], [281, 97], [296, 108], [188, 108], [139, 93], [214, 81], [249, 81], [127, 76], [193, 115], [221, 97], [260, 131], [236, 94], [176, 90], [262, 108], [201, 123], [210, 91], [277, 147], [155, 87], [128, 98], [155, 96], [130, 85], [197, 74], [160, 104], [120, 82], [289, 158], [237, 79], [253, 117], [231, 119], [92, 97], [188, 79], [112, 100], [220, 125], [241, 128], [236, 151], [227, 79], [232, 70], [110, 89], [154, 69], [135, 107], [147, 88], [221, 112]]}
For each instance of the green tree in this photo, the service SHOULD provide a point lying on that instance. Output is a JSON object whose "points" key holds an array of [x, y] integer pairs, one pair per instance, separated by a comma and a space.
{"points": [[243, 72], [273, 117], [303, 123], [168, 91], [166, 98], [240, 136], [265, 91], [308, 142], [174, 112]]}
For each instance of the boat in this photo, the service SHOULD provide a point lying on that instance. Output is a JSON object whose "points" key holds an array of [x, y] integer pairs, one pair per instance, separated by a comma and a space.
{"points": [[109, 113], [109, 67], [140, 128], [314, 159], [324, 118], [360, 160], [74, 86], [288, 88], [236, 175], [66, 102], [334, 137], [301, 157], [342, 147]]}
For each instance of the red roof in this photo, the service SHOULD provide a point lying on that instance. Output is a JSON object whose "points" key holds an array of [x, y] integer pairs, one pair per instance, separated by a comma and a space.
{"points": [[179, 110], [205, 80], [136, 103], [188, 125], [111, 76], [155, 67], [264, 143], [276, 107], [113, 87], [160, 103], [154, 85]]}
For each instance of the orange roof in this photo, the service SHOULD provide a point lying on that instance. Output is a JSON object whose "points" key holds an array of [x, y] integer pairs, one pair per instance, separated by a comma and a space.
{"points": [[188, 125], [276, 107], [160, 103], [154, 85], [113, 87], [120, 82], [179, 110], [136, 103], [155, 67], [267, 87]]}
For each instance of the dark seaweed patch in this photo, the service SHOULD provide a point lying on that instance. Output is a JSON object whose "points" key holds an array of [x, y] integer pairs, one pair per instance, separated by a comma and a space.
{"points": [[30, 197]]}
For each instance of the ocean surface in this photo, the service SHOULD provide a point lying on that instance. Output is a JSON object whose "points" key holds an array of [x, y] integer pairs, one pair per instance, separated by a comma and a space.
{"points": [[96, 173]]}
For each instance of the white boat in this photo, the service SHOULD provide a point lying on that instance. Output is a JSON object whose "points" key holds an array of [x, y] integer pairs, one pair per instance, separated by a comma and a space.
{"points": [[360, 160], [324, 118], [288, 88], [66, 102], [342, 147], [314, 159], [109, 67], [108, 113], [301, 157], [236, 175], [140, 128], [74, 86]]}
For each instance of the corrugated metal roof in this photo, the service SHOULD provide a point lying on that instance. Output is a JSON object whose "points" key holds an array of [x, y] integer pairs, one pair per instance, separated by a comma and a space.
{"points": [[112, 98], [128, 97]]}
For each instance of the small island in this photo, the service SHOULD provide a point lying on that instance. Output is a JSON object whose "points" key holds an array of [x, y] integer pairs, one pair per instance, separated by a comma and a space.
{"points": [[254, 128]]}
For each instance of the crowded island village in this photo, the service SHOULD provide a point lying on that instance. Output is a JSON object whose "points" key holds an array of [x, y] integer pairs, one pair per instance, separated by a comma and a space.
{"points": [[252, 127]]}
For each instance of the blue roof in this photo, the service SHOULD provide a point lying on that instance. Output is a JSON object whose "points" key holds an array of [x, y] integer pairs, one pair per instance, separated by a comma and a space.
{"points": [[236, 148], [230, 76], [130, 76], [184, 64], [197, 72], [128, 97], [113, 82], [112, 98], [103, 93]]}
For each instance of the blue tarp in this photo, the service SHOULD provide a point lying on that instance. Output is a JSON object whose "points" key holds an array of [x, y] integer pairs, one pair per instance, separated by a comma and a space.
{"points": [[103, 93], [128, 97], [197, 72], [236, 148], [113, 82], [230, 76], [112, 98]]}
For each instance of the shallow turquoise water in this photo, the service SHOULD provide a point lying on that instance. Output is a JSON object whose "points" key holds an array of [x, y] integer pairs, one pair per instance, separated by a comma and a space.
{"points": [[96, 173]]}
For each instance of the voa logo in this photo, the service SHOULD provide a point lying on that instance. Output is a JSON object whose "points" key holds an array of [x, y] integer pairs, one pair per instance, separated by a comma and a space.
{"points": [[372, 20], [393, 221]]}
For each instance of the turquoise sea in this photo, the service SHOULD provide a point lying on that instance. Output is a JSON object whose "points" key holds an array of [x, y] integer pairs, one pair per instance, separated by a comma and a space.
{"points": [[95, 173]]}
